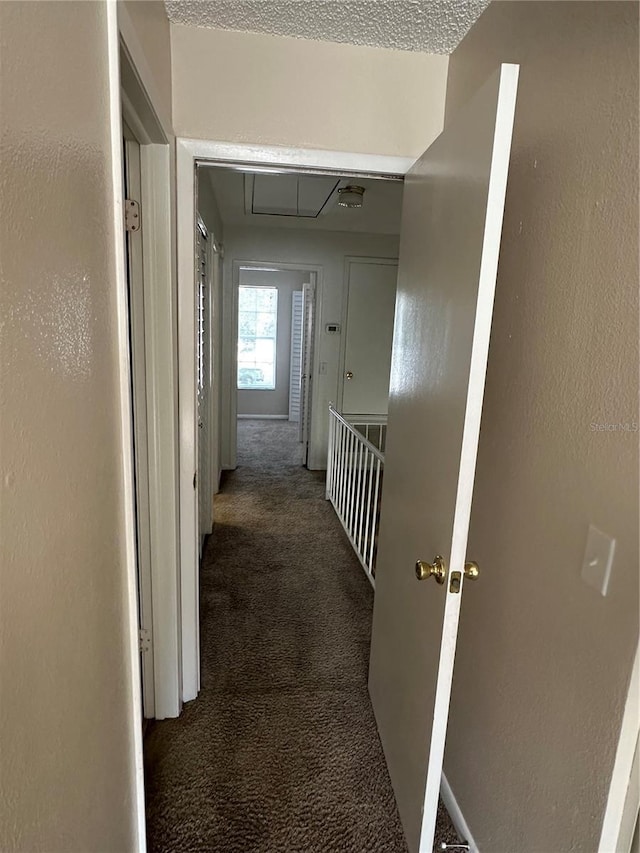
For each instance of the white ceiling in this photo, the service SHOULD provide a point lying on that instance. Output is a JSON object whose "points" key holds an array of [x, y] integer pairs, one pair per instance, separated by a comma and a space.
{"points": [[379, 214], [432, 26]]}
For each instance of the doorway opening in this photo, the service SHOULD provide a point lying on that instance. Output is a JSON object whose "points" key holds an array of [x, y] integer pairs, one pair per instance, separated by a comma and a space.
{"points": [[274, 348]]}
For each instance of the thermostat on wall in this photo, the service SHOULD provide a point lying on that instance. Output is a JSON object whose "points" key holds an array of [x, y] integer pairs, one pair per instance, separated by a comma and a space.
{"points": [[332, 328]]}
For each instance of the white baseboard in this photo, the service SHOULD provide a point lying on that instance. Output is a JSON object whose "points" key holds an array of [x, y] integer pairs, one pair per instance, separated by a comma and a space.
{"points": [[264, 417], [451, 804]]}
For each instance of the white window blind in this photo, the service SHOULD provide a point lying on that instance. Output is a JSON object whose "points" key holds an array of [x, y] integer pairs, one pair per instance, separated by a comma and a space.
{"points": [[296, 356]]}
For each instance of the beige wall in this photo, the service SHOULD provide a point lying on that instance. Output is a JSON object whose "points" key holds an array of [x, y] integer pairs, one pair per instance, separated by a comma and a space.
{"points": [[66, 722], [543, 660], [208, 206], [245, 87], [146, 30]]}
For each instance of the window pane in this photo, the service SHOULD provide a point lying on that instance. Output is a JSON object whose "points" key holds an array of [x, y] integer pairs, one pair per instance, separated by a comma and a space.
{"points": [[257, 332]]}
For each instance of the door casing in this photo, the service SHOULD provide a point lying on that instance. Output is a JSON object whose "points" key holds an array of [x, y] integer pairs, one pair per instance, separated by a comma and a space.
{"points": [[189, 154]]}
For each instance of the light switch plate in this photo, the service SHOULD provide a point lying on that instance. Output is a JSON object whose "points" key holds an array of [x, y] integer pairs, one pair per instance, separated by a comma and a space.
{"points": [[598, 559]]}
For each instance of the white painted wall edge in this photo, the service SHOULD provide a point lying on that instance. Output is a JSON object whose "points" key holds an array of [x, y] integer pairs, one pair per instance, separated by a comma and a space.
{"points": [[455, 813], [189, 545], [614, 816], [277, 155], [162, 438], [130, 38], [263, 417], [126, 424], [188, 151]]}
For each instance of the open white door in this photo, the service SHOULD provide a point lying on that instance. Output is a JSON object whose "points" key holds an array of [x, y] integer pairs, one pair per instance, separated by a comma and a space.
{"points": [[135, 280], [451, 224]]}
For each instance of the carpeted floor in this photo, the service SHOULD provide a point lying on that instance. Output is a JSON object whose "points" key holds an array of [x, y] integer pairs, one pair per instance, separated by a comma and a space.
{"points": [[280, 753]]}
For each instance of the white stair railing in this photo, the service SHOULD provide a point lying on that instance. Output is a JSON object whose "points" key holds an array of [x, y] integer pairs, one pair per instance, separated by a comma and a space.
{"points": [[355, 466]]}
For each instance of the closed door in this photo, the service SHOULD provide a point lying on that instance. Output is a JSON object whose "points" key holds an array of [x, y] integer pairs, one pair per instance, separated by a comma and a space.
{"points": [[451, 223], [371, 288]]}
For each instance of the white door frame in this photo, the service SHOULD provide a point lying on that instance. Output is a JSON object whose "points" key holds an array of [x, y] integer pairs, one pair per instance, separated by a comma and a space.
{"points": [[189, 152], [160, 347], [621, 812], [230, 347]]}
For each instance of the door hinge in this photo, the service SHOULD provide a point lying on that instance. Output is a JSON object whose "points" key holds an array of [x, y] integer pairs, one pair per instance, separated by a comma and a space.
{"points": [[144, 635], [131, 215], [195, 479]]}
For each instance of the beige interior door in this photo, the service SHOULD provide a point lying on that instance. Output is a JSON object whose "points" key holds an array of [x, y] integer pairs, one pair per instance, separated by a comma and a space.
{"points": [[451, 223], [371, 300]]}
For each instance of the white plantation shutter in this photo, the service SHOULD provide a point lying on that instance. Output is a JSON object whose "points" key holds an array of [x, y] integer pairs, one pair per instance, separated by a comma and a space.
{"points": [[296, 356]]}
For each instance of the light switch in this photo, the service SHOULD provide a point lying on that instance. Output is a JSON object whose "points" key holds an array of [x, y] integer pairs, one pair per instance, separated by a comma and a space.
{"points": [[598, 559]]}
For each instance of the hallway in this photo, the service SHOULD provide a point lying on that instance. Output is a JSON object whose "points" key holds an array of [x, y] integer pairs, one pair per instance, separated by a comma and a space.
{"points": [[280, 751]]}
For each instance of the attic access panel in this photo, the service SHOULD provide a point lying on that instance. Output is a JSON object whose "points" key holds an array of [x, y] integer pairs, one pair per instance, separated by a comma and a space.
{"points": [[288, 195]]}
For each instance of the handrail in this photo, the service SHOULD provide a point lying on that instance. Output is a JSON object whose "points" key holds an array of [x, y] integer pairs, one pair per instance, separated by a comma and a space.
{"points": [[354, 482], [376, 452]]}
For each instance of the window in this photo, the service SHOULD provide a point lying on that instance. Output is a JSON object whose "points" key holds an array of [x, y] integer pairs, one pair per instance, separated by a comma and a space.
{"points": [[257, 328]]}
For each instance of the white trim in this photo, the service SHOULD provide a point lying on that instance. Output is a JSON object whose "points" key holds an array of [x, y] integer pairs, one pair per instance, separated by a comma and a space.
{"points": [[188, 152], [189, 558], [276, 155], [126, 422], [263, 417], [455, 813], [617, 816]]}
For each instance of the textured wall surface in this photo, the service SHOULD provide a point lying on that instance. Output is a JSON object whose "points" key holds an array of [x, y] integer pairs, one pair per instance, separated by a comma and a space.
{"points": [[432, 26], [543, 660], [243, 87], [65, 715]]}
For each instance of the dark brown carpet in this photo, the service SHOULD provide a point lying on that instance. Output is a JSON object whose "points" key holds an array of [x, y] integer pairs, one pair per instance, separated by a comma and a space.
{"points": [[280, 753]]}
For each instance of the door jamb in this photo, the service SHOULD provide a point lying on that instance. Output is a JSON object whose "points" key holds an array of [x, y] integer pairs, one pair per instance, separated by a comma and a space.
{"points": [[190, 152], [619, 818], [160, 346]]}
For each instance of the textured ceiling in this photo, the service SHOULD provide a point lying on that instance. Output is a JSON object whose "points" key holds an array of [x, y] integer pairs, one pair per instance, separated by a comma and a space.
{"points": [[432, 26]]}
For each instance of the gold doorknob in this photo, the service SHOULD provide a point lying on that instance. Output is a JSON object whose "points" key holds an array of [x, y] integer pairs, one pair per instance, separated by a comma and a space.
{"points": [[349, 374], [436, 570], [471, 571]]}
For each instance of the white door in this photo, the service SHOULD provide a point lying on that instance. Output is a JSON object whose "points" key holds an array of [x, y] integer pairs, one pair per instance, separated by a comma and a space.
{"points": [[203, 367], [371, 300], [135, 277], [451, 224], [308, 314]]}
